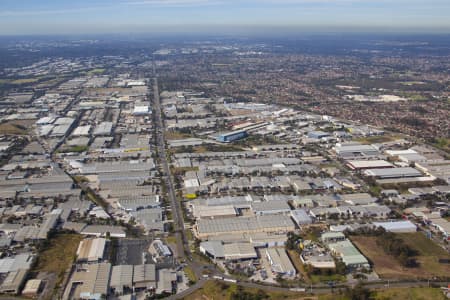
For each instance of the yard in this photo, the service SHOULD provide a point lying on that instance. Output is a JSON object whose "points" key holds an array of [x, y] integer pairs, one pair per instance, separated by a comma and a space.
{"points": [[388, 267]]}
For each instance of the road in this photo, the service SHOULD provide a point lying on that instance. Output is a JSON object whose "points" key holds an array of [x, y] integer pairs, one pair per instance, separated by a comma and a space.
{"points": [[177, 215], [314, 289]]}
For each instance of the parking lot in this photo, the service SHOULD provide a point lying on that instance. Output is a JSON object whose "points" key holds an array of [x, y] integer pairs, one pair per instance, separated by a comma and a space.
{"points": [[130, 251]]}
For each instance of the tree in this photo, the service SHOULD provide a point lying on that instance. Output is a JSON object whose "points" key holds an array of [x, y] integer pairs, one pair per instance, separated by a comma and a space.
{"points": [[359, 292]]}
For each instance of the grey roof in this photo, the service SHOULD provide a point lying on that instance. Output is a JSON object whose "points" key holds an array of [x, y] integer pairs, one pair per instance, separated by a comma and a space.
{"points": [[144, 273], [213, 248], [393, 172], [270, 207], [122, 276], [249, 224], [301, 217]]}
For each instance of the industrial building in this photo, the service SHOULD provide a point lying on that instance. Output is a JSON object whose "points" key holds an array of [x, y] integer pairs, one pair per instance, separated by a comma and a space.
{"points": [[301, 217], [232, 136], [91, 250], [355, 150], [90, 281], [13, 282], [397, 226], [121, 279], [369, 164], [144, 277], [349, 255], [264, 223], [392, 173], [280, 262], [32, 288]]}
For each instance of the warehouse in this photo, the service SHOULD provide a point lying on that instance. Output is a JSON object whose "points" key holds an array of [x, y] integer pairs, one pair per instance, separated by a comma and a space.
{"points": [[355, 150], [144, 276], [393, 173], [232, 136], [103, 230], [13, 282], [104, 128], [91, 250], [266, 223], [21, 261], [89, 282], [121, 279], [301, 217], [212, 249], [217, 211], [271, 208], [141, 110], [368, 164], [239, 251], [350, 256], [332, 237], [397, 226], [280, 262], [32, 288], [82, 130]]}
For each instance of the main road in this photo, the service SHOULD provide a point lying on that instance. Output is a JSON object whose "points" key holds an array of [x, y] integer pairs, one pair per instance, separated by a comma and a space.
{"points": [[177, 215]]}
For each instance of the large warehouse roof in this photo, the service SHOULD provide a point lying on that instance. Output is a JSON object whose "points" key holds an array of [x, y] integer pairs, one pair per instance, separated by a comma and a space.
{"points": [[369, 164], [393, 173], [246, 224]]}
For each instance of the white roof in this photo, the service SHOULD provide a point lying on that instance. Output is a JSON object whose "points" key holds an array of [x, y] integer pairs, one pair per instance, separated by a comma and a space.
{"points": [[396, 225]]}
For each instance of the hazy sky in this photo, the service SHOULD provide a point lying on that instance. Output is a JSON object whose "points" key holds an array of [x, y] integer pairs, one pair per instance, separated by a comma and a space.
{"points": [[108, 16]]}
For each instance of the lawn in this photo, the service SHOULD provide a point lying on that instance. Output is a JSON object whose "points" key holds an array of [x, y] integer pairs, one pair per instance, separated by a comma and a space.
{"points": [[388, 267], [58, 255], [225, 291]]}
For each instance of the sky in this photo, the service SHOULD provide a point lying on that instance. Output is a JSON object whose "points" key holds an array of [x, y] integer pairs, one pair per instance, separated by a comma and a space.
{"points": [[128, 16]]}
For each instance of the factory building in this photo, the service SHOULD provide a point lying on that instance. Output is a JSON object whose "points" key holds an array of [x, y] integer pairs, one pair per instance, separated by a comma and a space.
{"points": [[280, 262], [232, 136]]}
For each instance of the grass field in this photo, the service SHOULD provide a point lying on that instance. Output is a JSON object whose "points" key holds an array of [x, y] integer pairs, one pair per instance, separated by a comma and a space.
{"points": [[377, 139], [396, 294], [176, 135], [96, 71], [190, 274], [223, 291], [388, 267], [58, 255], [16, 127], [410, 294]]}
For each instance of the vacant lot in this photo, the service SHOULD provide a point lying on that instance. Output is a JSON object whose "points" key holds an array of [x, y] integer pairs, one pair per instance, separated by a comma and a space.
{"points": [[58, 255], [410, 293], [224, 291], [16, 127], [388, 267], [396, 294]]}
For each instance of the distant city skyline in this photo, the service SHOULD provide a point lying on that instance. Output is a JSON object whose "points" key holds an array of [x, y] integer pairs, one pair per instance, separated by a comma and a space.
{"points": [[121, 16]]}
